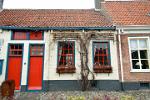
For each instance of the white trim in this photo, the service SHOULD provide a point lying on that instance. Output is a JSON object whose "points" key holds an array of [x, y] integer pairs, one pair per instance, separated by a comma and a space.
{"points": [[26, 41], [133, 26], [134, 29], [139, 70]]}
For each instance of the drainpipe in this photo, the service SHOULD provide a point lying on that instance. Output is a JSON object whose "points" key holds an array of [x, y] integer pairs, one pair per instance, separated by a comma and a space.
{"points": [[120, 53], [1, 4], [98, 4]]}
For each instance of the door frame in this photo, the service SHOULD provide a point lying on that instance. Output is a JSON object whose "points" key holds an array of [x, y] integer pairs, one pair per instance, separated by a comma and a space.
{"points": [[6, 73], [30, 44]]}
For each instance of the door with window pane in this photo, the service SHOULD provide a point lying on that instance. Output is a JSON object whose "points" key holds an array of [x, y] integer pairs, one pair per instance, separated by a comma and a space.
{"points": [[35, 72], [15, 64]]}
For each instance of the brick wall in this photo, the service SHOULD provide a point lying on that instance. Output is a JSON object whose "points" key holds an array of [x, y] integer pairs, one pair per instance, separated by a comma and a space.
{"points": [[131, 76]]}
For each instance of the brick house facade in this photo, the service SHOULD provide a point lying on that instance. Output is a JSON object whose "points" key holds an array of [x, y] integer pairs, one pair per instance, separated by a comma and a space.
{"points": [[132, 22]]}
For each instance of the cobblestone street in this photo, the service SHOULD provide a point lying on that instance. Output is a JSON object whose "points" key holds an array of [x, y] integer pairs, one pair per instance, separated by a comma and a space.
{"points": [[88, 95]]}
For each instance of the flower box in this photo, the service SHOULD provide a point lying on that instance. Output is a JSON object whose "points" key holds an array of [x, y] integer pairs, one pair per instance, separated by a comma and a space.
{"points": [[66, 69], [102, 69]]}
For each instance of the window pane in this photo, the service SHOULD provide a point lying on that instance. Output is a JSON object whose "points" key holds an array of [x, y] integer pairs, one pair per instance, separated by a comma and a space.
{"points": [[15, 50], [36, 35], [1, 66], [145, 64], [36, 50], [142, 43], [20, 35], [134, 54], [0, 42], [143, 54], [66, 53], [101, 53], [135, 64], [133, 44], [105, 45], [96, 60], [105, 60]]}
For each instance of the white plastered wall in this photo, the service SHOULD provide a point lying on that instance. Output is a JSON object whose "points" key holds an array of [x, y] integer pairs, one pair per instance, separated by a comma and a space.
{"points": [[50, 59], [5, 36], [51, 64]]}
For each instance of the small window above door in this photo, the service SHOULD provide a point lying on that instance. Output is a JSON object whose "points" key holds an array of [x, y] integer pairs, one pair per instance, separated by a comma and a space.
{"points": [[27, 35]]}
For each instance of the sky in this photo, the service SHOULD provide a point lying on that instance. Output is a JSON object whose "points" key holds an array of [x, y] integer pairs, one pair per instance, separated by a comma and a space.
{"points": [[48, 4]]}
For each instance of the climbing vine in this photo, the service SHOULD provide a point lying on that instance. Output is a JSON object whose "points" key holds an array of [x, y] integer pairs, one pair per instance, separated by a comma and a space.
{"points": [[84, 39]]}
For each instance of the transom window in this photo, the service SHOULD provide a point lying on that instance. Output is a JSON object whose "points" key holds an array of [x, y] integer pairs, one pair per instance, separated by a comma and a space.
{"points": [[19, 35], [139, 51], [27, 35], [66, 53], [101, 53], [15, 50]]}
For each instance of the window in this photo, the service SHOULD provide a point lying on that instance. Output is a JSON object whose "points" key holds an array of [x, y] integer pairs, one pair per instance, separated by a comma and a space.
{"points": [[139, 52], [19, 35], [66, 57], [1, 66], [101, 57], [15, 50], [36, 35], [27, 35], [36, 50]]}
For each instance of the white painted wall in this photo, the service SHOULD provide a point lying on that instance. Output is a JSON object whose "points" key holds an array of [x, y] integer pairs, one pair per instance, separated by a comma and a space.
{"points": [[51, 70], [5, 36], [50, 59]]}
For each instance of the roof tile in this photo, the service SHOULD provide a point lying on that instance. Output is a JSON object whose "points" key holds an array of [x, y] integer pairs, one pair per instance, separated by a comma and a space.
{"points": [[53, 18], [128, 12]]}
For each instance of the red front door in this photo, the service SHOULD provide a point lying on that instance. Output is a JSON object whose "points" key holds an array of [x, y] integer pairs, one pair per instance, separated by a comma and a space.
{"points": [[35, 67], [15, 64]]}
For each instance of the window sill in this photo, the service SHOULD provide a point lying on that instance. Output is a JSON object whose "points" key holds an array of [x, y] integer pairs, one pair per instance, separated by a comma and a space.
{"points": [[140, 71], [102, 69], [65, 69]]}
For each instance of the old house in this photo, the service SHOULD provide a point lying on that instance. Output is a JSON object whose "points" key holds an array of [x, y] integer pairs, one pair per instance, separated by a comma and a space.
{"points": [[132, 21], [46, 49]]}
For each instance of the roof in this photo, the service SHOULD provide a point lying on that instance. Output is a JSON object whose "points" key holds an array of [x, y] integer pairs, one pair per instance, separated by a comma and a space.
{"points": [[128, 12], [53, 18]]}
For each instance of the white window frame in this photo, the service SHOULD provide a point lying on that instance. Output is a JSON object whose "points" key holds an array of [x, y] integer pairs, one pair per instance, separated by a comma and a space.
{"points": [[148, 41], [1, 43]]}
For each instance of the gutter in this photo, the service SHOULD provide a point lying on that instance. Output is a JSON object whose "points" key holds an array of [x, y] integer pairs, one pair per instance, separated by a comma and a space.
{"points": [[58, 28], [133, 27]]}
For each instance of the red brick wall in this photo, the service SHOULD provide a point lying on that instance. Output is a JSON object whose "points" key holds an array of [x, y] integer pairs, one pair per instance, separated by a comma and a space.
{"points": [[131, 76]]}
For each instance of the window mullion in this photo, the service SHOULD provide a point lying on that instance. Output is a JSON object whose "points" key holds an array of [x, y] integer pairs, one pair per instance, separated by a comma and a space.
{"points": [[139, 54]]}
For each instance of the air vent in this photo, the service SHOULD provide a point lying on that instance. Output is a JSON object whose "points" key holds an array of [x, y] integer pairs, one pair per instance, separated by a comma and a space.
{"points": [[144, 85]]}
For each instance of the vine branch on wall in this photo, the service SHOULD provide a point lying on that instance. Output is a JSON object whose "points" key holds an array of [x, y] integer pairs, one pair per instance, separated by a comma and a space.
{"points": [[84, 39]]}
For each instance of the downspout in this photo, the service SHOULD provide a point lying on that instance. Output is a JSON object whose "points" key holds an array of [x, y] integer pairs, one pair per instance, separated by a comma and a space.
{"points": [[120, 53], [1, 4]]}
